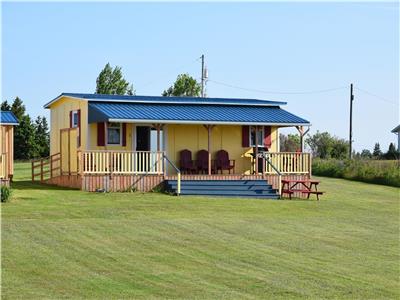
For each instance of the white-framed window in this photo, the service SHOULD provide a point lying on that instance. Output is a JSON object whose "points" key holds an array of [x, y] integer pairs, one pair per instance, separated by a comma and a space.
{"points": [[260, 137], [114, 134], [75, 119]]}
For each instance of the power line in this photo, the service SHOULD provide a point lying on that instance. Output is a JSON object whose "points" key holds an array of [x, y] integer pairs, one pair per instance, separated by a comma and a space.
{"points": [[277, 92], [376, 96]]}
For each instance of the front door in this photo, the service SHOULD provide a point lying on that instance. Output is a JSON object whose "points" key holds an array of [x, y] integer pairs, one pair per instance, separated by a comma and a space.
{"points": [[142, 138]]}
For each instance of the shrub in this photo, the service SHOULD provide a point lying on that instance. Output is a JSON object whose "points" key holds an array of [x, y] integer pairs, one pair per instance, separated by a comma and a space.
{"points": [[5, 193], [371, 171]]}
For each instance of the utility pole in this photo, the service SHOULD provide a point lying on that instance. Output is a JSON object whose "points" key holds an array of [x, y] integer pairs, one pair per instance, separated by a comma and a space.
{"points": [[202, 75], [351, 122]]}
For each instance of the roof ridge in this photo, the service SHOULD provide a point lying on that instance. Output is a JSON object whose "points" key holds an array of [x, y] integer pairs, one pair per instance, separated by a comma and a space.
{"points": [[174, 99]]}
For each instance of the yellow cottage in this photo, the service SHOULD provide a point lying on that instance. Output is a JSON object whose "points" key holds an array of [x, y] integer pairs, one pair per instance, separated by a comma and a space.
{"points": [[8, 121], [122, 143]]}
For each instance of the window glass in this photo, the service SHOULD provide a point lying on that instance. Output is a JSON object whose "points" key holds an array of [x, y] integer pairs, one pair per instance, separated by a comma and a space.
{"points": [[114, 134], [260, 136], [75, 119]]}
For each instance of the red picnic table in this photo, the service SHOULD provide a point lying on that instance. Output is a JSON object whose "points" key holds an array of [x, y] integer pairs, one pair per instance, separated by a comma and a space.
{"points": [[302, 186]]}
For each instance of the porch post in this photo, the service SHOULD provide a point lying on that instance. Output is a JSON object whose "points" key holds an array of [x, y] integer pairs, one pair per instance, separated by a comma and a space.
{"points": [[61, 154], [209, 149], [159, 163], [105, 134], [158, 127], [256, 152], [300, 129], [209, 128], [158, 138], [69, 152]]}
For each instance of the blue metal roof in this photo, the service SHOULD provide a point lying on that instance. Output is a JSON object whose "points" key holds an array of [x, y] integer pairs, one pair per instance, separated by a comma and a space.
{"points": [[191, 114], [8, 117], [172, 100]]}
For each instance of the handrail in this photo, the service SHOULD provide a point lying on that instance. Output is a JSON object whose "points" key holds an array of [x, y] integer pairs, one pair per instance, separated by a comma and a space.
{"points": [[178, 172], [265, 156], [49, 163], [271, 164]]}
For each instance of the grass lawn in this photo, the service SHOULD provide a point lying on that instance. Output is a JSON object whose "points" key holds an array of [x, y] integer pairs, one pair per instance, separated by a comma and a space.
{"points": [[59, 243]]}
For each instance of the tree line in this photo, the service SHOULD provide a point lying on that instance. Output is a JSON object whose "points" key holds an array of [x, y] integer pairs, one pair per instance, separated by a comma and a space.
{"points": [[31, 137], [324, 145]]}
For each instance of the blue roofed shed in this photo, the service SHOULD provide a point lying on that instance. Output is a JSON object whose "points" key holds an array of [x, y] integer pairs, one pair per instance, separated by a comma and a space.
{"points": [[7, 122]]}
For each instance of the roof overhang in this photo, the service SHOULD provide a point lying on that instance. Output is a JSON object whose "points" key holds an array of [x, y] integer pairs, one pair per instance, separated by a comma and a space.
{"points": [[144, 121], [48, 104], [9, 124], [192, 114], [396, 129]]}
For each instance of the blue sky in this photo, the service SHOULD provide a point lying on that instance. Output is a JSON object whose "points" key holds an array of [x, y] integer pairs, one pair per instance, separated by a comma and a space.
{"points": [[49, 48]]}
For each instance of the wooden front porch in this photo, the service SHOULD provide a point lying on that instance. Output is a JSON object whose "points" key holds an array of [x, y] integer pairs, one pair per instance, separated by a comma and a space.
{"points": [[121, 171]]}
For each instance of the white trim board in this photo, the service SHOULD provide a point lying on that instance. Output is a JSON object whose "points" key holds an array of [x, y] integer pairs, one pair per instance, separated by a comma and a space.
{"points": [[138, 121]]}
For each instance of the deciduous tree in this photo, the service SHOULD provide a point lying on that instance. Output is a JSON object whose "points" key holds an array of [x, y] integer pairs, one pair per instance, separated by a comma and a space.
{"points": [[289, 143], [323, 145], [185, 85], [111, 81], [365, 153]]}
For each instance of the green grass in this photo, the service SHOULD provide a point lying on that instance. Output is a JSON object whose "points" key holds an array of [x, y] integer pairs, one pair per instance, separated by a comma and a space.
{"points": [[70, 244]]}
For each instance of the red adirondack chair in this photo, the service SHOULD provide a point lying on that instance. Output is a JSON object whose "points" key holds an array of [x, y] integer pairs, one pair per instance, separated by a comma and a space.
{"points": [[186, 163], [224, 163], [202, 161]]}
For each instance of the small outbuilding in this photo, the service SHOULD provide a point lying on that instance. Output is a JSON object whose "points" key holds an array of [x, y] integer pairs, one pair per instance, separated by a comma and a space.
{"points": [[8, 121], [120, 143]]}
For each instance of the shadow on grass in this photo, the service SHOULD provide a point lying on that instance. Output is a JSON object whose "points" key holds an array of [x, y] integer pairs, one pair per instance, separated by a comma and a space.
{"points": [[29, 185]]}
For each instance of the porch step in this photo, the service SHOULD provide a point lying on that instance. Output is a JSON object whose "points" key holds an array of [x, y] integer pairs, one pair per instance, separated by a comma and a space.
{"points": [[227, 188]]}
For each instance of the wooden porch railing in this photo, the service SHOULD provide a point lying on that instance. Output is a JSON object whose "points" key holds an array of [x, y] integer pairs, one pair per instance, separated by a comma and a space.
{"points": [[120, 162], [3, 165], [288, 162], [46, 168]]}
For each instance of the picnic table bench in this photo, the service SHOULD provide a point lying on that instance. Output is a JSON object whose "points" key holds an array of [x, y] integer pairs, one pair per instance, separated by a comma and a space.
{"points": [[302, 186]]}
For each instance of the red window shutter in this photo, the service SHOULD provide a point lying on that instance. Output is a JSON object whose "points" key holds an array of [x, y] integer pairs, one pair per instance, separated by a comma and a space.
{"points": [[123, 134], [101, 132], [70, 119], [245, 136], [267, 136], [79, 127]]}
